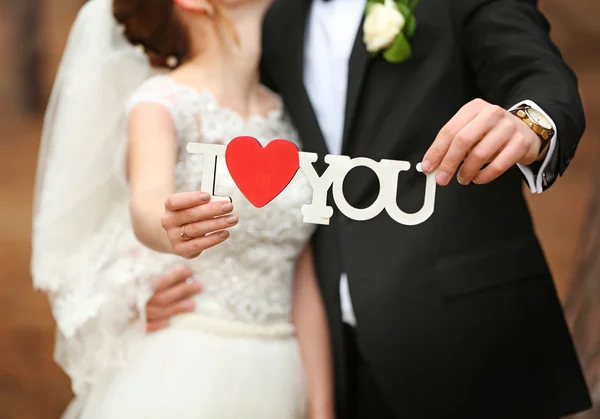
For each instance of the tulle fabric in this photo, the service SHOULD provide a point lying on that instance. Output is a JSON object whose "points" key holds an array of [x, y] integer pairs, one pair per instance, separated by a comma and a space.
{"points": [[100, 300], [187, 373]]}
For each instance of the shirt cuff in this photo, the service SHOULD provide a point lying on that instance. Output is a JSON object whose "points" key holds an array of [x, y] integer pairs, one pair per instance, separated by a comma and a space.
{"points": [[536, 180]]}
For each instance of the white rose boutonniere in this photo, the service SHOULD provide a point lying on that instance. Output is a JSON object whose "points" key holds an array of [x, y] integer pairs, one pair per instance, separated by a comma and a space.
{"points": [[388, 26]]}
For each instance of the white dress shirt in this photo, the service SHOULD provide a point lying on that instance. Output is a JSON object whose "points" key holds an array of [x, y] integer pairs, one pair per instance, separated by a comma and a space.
{"points": [[331, 30]]}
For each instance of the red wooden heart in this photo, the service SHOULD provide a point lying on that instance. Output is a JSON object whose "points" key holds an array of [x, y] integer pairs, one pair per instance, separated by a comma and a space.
{"points": [[261, 173]]}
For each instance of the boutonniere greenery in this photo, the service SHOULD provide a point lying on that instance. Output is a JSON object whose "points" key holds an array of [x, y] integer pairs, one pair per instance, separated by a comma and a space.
{"points": [[388, 26]]}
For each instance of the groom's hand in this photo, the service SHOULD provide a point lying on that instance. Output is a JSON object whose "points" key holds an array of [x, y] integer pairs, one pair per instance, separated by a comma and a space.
{"points": [[480, 133], [173, 295]]}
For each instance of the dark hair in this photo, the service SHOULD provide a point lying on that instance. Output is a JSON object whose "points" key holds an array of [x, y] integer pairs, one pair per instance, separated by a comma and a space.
{"points": [[154, 25]]}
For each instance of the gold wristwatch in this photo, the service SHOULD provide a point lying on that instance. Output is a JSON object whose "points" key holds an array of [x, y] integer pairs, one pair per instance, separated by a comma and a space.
{"points": [[537, 122]]}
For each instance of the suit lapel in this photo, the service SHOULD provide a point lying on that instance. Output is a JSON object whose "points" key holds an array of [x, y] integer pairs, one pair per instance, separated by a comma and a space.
{"points": [[357, 69], [298, 102]]}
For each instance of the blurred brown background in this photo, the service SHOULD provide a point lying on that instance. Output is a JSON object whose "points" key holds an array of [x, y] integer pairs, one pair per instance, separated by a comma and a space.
{"points": [[33, 387]]}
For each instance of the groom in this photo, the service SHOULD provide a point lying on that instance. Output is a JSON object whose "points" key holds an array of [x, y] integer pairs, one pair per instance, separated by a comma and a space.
{"points": [[457, 317]]}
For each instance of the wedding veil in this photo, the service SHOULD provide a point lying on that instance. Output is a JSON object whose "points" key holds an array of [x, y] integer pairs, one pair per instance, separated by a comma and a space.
{"points": [[80, 204], [83, 129]]}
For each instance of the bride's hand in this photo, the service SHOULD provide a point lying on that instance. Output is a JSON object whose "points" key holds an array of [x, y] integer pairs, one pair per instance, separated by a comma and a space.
{"points": [[322, 415], [323, 410], [194, 224]]}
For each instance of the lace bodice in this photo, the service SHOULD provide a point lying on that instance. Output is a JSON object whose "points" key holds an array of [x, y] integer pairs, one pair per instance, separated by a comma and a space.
{"points": [[247, 279]]}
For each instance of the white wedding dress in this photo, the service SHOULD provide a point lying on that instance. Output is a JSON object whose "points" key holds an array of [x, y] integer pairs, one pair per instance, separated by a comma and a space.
{"points": [[236, 356]]}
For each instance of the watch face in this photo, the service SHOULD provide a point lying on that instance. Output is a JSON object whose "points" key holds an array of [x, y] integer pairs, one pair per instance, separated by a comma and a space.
{"points": [[538, 118]]}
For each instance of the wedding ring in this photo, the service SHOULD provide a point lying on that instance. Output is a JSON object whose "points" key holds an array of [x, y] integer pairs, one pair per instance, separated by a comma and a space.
{"points": [[182, 233]]}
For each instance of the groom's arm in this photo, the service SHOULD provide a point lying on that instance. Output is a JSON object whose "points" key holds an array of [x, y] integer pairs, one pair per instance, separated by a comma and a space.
{"points": [[507, 44], [173, 295]]}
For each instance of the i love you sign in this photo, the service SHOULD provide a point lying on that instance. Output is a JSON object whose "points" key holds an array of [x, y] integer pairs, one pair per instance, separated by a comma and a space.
{"points": [[263, 173]]}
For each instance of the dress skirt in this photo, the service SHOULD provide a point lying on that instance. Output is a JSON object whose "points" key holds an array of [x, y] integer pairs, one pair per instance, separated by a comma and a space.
{"points": [[188, 373]]}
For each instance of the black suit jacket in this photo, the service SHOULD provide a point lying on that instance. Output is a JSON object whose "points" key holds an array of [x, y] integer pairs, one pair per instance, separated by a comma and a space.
{"points": [[458, 316]]}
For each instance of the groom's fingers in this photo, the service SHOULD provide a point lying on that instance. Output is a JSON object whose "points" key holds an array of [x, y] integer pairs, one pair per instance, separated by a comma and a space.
{"points": [[466, 146], [156, 313], [485, 151], [438, 149], [156, 326], [172, 278], [176, 293], [505, 159]]}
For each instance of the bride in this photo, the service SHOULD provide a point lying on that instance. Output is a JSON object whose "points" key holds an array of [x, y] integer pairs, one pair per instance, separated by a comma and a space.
{"points": [[139, 80]]}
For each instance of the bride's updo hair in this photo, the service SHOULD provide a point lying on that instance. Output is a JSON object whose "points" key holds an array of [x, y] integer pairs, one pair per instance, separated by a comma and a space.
{"points": [[154, 25]]}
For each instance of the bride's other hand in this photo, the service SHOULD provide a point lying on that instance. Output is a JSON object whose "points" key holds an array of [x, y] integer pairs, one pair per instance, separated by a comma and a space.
{"points": [[172, 295], [322, 414], [194, 224]]}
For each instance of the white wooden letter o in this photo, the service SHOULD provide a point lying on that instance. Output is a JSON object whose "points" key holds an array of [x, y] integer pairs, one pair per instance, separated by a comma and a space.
{"points": [[344, 164]]}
